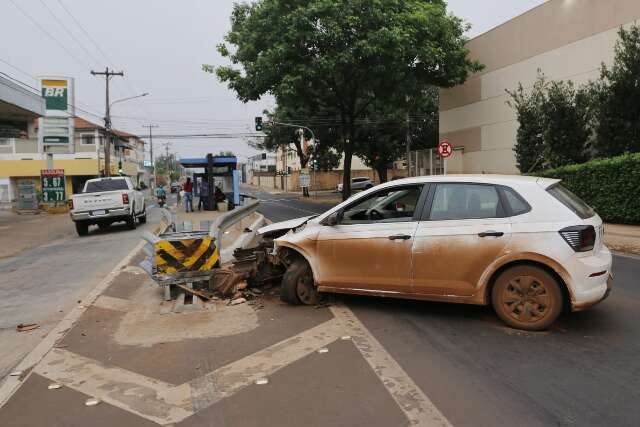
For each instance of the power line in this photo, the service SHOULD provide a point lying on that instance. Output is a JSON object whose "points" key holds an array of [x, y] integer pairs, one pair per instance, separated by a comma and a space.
{"points": [[64, 27], [19, 70], [34, 22], [86, 33]]}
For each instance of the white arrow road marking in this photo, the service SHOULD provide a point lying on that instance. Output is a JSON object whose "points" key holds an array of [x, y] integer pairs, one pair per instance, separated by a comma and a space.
{"points": [[416, 406]]}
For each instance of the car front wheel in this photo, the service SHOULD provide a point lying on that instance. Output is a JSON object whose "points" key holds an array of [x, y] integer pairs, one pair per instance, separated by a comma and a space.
{"points": [[527, 297], [298, 286]]}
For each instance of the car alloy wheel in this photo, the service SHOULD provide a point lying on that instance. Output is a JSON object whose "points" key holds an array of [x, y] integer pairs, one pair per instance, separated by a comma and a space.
{"points": [[526, 299], [306, 290]]}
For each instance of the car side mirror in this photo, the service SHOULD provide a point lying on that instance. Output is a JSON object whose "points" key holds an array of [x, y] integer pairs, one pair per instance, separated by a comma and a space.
{"points": [[333, 219]]}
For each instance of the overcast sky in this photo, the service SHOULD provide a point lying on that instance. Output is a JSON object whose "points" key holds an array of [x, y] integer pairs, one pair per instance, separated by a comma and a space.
{"points": [[160, 45]]}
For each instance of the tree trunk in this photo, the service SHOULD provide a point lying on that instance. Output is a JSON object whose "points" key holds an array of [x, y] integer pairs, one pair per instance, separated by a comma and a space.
{"points": [[382, 172], [346, 177]]}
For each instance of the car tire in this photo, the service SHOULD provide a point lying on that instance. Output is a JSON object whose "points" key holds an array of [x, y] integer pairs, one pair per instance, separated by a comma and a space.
{"points": [[298, 286], [131, 221], [143, 218], [82, 228], [527, 297]]}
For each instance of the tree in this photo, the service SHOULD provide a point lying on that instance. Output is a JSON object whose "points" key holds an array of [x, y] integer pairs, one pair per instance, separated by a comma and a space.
{"points": [[226, 153], [342, 55], [529, 147], [167, 165], [617, 94], [565, 116]]}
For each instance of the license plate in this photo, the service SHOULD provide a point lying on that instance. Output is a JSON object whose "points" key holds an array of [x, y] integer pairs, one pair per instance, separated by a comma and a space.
{"points": [[101, 212]]}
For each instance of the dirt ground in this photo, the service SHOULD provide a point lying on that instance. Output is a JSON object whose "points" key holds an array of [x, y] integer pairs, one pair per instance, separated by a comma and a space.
{"points": [[21, 232]]}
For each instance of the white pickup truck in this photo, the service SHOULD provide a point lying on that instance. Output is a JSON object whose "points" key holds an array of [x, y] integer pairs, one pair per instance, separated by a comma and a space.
{"points": [[104, 201]]}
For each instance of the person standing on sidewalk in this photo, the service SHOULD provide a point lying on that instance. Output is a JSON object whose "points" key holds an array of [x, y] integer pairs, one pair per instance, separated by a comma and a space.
{"points": [[188, 195]]}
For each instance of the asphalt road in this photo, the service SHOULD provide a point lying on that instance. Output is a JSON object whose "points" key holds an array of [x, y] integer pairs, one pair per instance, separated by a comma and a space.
{"points": [[42, 284], [585, 371]]}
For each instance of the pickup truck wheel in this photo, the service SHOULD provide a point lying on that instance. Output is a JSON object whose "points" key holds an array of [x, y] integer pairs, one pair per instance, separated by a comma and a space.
{"points": [[143, 218], [82, 228], [131, 221], [298, 286]]}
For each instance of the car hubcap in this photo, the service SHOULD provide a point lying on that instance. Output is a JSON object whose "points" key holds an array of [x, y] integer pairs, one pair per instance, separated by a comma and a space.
{"points": [[526, 299]]}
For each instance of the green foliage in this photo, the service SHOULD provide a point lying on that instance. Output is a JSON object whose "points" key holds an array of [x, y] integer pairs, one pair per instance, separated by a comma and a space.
{"points": [[167, 166], [618, 92], [610, 186], [343, 55], [226, 153], [554, 122]]}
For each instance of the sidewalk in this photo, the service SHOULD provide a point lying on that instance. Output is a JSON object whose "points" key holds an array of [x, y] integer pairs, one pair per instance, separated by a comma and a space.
{"points": [[622, 238], [26, 231], [321, 197]]}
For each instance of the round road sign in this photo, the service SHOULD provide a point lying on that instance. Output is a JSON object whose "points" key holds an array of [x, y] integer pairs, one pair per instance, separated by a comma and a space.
{"points": [[445, 149]]}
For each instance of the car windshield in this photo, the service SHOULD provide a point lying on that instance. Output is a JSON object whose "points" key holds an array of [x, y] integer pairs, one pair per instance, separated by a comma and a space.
{"points": [[106, 185], [570, 200]]}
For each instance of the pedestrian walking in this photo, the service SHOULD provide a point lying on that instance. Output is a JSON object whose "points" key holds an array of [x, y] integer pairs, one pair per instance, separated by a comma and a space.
{"points": [[188, 195], [204, 194]]}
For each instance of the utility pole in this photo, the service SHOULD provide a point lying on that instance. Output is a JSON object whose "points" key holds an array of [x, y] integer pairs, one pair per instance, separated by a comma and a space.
{"points": [[107, 117], [153, 169]]}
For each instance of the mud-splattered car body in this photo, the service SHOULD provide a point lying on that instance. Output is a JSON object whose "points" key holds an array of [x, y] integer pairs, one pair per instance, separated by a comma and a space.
{"points": [[450, 238]]}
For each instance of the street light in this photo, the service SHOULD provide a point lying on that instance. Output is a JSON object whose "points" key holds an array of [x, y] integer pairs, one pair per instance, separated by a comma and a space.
{"points": [[128, 98]]}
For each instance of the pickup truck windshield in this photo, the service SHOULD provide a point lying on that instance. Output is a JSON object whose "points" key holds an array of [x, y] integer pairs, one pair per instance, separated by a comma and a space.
{"points": [[106, 185]]}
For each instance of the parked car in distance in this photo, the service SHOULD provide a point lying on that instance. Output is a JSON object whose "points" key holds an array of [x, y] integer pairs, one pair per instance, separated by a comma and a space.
{"points": [[360, 183], [104, 201], [175, 187], [525, 245]]}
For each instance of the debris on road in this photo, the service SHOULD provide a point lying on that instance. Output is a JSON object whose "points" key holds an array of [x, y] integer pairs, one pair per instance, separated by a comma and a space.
{"points": [[25, 327], [15, 374], [54, 386], [194, 292], [92, 401], [345, 337], [323, 350], [262, 381], [238, 301]]}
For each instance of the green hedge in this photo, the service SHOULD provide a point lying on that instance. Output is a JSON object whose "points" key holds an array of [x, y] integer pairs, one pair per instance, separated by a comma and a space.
{"points": [[611, 186]]}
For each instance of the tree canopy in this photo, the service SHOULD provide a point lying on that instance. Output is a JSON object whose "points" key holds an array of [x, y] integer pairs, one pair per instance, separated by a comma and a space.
{"points": [[343, 55]]}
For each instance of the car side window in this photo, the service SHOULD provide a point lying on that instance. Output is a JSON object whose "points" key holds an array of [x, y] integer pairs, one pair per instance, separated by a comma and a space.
{"points": [[395, 204], [517, 204], [465, 201]]}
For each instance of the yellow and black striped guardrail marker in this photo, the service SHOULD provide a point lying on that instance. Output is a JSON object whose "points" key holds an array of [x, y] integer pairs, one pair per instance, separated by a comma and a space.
{"points": [[176, 256]]}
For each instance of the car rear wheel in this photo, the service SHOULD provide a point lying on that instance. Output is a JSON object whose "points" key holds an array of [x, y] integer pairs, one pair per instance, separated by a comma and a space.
{"points": [[104, 226], [143, 217], [131, 221], [298, 286], [82, 228], [527, 297]]}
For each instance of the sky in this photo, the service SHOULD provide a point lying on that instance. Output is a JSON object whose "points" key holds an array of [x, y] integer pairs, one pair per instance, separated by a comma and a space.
{"points": [[161, 46]]}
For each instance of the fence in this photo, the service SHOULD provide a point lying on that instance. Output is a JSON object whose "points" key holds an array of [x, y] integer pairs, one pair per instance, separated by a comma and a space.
{"points": [[319, 180]]}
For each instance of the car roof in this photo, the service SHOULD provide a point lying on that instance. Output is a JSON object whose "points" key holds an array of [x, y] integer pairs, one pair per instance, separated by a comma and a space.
{"points": [[509, 180]]}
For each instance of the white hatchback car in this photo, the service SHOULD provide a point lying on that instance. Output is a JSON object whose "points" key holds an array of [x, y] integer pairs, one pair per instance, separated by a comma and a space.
{"points": [[525, 245]]}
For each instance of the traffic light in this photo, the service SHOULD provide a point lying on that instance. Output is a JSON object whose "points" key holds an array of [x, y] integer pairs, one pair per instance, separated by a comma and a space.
{"points": [[258, 124]]}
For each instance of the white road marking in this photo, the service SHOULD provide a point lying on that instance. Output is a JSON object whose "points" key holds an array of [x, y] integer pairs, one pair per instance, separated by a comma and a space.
{"points": [[143, 396], [416, 406], [230, 379]]}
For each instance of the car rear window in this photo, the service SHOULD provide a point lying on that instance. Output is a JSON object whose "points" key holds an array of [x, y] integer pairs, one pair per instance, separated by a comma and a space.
{"points": [[106, 185], [570, 200]]}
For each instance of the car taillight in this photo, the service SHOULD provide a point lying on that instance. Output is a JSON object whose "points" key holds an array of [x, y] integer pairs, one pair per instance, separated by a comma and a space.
{"points": [[125, 198], [581, 238], [70, 204]]}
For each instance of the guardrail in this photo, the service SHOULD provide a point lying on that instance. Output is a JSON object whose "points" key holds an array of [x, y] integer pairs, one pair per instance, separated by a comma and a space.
{"points": [[222, 223]]}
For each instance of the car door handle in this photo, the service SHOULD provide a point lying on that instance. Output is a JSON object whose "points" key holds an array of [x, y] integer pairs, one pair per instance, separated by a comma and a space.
{"points": [[399, 237], [491, 233]]}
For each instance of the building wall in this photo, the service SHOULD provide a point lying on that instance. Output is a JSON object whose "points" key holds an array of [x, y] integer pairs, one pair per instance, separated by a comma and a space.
{"points": [[565, 39]]}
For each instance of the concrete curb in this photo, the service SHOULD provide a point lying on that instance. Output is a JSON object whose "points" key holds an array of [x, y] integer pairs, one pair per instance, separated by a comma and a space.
{"points": [[12, 384]]}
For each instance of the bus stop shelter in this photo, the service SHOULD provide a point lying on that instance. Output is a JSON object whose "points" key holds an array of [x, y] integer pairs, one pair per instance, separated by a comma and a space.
{"points": [[218, 171]]}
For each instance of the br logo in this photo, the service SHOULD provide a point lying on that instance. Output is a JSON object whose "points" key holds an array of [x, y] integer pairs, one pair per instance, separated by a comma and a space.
{"points": [[56, 92]]}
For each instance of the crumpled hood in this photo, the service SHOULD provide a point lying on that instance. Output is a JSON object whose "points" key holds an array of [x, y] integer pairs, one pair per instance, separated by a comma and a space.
{"points": [[284, 225]]}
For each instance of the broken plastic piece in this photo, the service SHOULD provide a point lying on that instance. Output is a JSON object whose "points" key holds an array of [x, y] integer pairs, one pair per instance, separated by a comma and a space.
{"points": [[238, 301], [54, 386], [15, 374], [262, 381], [345, 337], [323, 350], [92, 401], [24, 327]]}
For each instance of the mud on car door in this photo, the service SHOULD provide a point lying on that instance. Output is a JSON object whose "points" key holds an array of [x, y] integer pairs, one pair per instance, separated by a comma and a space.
{"points": [[463, 229], [369, 249]]}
